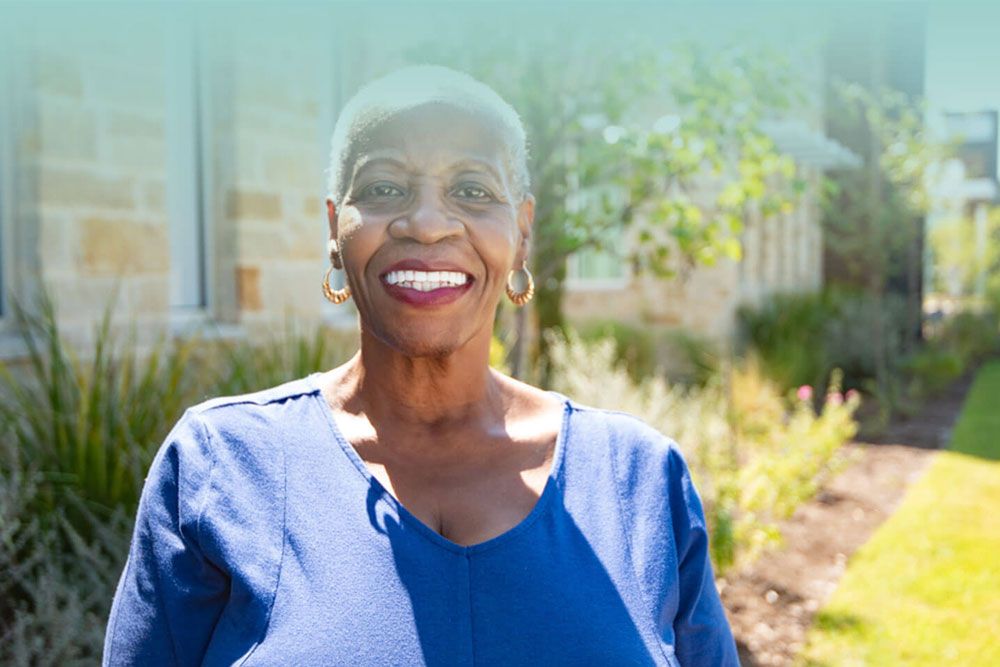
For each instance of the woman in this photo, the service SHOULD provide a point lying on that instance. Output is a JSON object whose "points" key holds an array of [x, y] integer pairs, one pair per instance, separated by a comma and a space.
{"points": [[415, 506]]}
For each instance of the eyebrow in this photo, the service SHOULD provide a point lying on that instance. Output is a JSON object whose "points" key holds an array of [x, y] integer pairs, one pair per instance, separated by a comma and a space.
{"points": [[465, 164], [368, 162]]}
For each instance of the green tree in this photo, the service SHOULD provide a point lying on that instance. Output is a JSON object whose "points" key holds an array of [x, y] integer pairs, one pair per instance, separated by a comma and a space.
{"points": [[963, 263], [875, 215]]}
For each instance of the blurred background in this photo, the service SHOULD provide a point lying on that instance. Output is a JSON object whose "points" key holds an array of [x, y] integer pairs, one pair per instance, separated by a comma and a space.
{"points": [[770, 229]]}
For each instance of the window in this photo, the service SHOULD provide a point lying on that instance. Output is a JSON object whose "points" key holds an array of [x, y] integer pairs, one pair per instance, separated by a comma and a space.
{"points": [[9, 87], [597, 269], [604, 267], [187, 176]]}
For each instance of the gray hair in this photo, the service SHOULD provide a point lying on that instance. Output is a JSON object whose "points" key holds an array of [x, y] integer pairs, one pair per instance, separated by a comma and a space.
{"points": [[412, 87]]}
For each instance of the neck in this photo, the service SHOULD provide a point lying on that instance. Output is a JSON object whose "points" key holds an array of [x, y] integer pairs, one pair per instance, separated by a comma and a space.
{"points": [[434, 392]]}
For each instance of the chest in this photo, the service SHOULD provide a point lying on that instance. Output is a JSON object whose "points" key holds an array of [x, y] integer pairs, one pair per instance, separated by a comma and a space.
{"points": [[467, 501]]}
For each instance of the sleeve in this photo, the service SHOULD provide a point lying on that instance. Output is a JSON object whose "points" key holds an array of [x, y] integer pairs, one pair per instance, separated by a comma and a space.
{"points": [[169, 596], [702, 633]]}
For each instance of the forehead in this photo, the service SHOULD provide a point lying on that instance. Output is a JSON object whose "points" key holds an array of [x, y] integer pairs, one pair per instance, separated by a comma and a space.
{"points": [[434, 136]]}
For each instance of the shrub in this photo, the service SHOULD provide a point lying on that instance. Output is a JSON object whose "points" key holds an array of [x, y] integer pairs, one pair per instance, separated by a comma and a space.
{"points": [[801, 338], [634, 348], [788, 332], [932, 368], [238, 367], [972, 335]]}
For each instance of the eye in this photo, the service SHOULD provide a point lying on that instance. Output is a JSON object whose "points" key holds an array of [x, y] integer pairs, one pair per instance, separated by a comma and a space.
{"points": [[381, 190], [473, 191]]}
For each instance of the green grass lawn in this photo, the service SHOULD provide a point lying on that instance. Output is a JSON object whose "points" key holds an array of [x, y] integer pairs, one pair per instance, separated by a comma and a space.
{"points": [[925, 590]]}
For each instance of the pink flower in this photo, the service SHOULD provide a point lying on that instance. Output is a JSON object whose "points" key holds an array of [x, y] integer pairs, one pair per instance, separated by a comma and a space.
{"points": [[835, 398], [852, 394], [804, 393]]}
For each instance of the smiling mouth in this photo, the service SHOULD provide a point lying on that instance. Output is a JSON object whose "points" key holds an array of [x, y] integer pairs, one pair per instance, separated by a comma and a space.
{"points": [[421, 288], [426, 281]]}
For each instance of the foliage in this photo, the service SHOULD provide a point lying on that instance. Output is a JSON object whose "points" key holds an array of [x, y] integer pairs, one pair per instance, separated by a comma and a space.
{"points": [[922, 591], [635, 348], [90, 427], [801, 337], [875, 212], [755, 455], [959, 341], [973, 335], [932, 368], [961, 266], [695, 359], [241, 367], [77, 438], [873, 217], [788, 332]]}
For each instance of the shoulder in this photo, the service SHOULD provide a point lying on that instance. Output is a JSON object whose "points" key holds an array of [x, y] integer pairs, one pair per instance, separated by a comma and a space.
{"points": [[222, 407], [628, 434], [283, 410], [243, 435], [648, 465]]}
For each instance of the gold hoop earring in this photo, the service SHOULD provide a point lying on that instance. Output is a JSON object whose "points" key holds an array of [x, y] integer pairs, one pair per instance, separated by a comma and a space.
{"points": [[335, 296], [524, 296]]}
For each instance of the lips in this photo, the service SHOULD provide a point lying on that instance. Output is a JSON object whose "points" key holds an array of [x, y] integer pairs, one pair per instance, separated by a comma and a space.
{"points": [[419, 283]]}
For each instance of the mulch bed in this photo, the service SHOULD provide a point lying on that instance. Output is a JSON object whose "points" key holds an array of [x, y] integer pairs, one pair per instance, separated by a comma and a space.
{"points": [[772, 603]]}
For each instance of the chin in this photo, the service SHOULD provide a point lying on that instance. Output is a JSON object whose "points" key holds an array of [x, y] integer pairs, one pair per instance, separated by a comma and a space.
{"points": [[422, 345]]}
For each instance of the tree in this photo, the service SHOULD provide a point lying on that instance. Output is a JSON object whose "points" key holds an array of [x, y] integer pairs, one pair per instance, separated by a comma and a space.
{"points": [[875, 215]]}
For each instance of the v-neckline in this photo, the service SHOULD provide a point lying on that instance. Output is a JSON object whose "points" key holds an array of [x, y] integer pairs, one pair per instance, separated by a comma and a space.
{"points": [[550, 488]]}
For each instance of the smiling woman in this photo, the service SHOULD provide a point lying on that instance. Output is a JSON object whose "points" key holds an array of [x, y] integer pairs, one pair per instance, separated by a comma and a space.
{"points": [[415, 506]]}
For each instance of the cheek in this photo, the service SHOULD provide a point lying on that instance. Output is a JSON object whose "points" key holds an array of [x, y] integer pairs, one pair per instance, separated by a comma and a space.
{"points": [[358, 236], [348, 223]]}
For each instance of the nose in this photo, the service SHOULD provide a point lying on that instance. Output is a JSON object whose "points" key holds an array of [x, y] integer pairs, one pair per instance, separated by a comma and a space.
{"points": [[428, 218]]}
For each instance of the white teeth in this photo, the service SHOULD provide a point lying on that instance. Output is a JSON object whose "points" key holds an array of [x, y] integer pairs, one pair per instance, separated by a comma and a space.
{"points": [[426, 280]]}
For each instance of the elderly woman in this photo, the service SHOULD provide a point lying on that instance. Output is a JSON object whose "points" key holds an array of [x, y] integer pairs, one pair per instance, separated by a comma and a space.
{"points": [[415, 506]]}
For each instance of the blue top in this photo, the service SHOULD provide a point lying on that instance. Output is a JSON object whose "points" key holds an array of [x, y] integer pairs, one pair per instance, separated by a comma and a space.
{"points": [[263, 539]]}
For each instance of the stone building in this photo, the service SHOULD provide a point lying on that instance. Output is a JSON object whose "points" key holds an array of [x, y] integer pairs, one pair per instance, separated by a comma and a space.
{"points": [[178, 162]]}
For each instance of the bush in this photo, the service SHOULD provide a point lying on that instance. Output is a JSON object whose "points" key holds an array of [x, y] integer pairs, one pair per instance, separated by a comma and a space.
{"points": [[972, 335], [932, 368], [788, 333], [801, 338], [634, 348]]}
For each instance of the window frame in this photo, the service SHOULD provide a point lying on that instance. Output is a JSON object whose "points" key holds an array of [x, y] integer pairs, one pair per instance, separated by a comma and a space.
{"points": [[187, 119]]}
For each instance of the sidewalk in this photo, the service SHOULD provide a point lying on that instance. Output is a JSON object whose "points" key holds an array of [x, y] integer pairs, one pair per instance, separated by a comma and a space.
{"points": [[924, 590]]}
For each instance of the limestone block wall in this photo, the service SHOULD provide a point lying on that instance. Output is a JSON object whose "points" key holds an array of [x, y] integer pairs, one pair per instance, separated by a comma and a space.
{"points": [[90, 157], [272, 107], [94, 104]]}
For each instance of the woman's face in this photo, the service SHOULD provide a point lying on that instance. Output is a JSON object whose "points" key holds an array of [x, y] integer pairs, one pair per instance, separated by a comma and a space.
{"points": [[429, 229]]}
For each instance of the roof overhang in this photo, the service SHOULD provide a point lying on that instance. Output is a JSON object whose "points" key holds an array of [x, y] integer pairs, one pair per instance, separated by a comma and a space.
{"points": [[808, 146]]}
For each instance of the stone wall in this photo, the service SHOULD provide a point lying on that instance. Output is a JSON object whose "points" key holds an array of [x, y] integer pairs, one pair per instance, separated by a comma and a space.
{"points": [[92, 111]]}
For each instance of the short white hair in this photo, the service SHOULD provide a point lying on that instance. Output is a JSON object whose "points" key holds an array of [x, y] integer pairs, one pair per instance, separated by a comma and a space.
{"points": [[412, 87]]}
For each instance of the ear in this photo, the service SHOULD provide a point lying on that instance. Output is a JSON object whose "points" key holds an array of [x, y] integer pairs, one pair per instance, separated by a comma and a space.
{"points": [[331, 215], [525, 221]]}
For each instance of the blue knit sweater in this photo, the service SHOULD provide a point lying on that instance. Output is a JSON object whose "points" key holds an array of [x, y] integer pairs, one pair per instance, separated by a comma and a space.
{"points": [[262, 539]]}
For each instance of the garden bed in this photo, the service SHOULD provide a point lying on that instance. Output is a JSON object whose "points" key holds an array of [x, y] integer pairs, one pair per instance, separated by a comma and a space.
{"points": [[772, 603]]}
